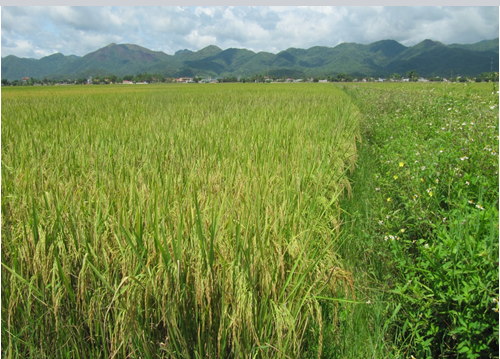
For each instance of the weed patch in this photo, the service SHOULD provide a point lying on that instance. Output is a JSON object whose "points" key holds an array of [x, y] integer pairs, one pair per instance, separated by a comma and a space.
{"points": [[432, 221]]}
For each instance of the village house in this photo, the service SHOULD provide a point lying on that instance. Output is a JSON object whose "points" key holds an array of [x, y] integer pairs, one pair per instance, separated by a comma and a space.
{"points": [[184, 80], [207, 80]]}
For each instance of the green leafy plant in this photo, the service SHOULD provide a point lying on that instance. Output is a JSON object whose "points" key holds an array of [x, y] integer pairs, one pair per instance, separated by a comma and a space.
{"points": [[434, 214]]}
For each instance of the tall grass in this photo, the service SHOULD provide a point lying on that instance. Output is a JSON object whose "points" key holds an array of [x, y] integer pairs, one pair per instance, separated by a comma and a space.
{"points": [[424, 234], [172, 222]]}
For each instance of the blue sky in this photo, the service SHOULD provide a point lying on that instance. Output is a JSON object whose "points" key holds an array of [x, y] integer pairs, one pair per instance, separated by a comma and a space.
{"points": [[40, 31]]}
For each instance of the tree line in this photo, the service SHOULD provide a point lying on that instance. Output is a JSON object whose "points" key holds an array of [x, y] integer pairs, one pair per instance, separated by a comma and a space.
{"points": [[158, 78]]}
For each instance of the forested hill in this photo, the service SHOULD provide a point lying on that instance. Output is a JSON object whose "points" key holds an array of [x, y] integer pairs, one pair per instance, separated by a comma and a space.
{"points": [[382, 58]]}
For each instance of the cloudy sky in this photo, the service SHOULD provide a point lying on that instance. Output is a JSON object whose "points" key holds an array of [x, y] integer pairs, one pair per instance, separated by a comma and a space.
{"points": [[41, 31]]}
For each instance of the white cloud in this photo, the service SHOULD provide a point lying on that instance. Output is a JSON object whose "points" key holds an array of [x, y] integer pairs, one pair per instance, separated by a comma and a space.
{"points": [[200, 41], [40, 31], [200, 10]]}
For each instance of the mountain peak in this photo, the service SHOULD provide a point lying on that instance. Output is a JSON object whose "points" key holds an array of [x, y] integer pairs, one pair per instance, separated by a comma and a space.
{"points": [[54, 55], [210, 49], [427, 43], [485, 45], [388, 48], [185, 51]]}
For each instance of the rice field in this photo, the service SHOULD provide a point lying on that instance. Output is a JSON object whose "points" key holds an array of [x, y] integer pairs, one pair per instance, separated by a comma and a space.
{"points": [[173, 221], [250, 221]]}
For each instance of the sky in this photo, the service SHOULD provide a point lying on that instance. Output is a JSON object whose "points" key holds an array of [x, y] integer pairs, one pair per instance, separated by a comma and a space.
{"points": [[36, 32]]}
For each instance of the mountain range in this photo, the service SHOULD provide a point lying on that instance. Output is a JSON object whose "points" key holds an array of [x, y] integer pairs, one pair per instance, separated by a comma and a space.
{"points": [[381, 58]]}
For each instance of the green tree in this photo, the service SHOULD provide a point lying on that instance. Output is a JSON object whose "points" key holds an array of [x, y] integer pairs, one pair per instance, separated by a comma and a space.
{"points": [[396, 76], [412, 75], [343, 77]]}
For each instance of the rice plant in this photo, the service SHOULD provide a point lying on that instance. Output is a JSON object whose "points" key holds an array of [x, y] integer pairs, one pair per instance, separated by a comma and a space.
{"points": [[169, 221]]}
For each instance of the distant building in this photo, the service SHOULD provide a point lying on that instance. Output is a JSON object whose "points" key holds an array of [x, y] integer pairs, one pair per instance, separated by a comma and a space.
{"points": [[184, 80]]}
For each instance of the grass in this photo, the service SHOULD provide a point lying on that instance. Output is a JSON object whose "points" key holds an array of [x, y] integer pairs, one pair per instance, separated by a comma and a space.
{"points": [[172, 222], [425, 218]]}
